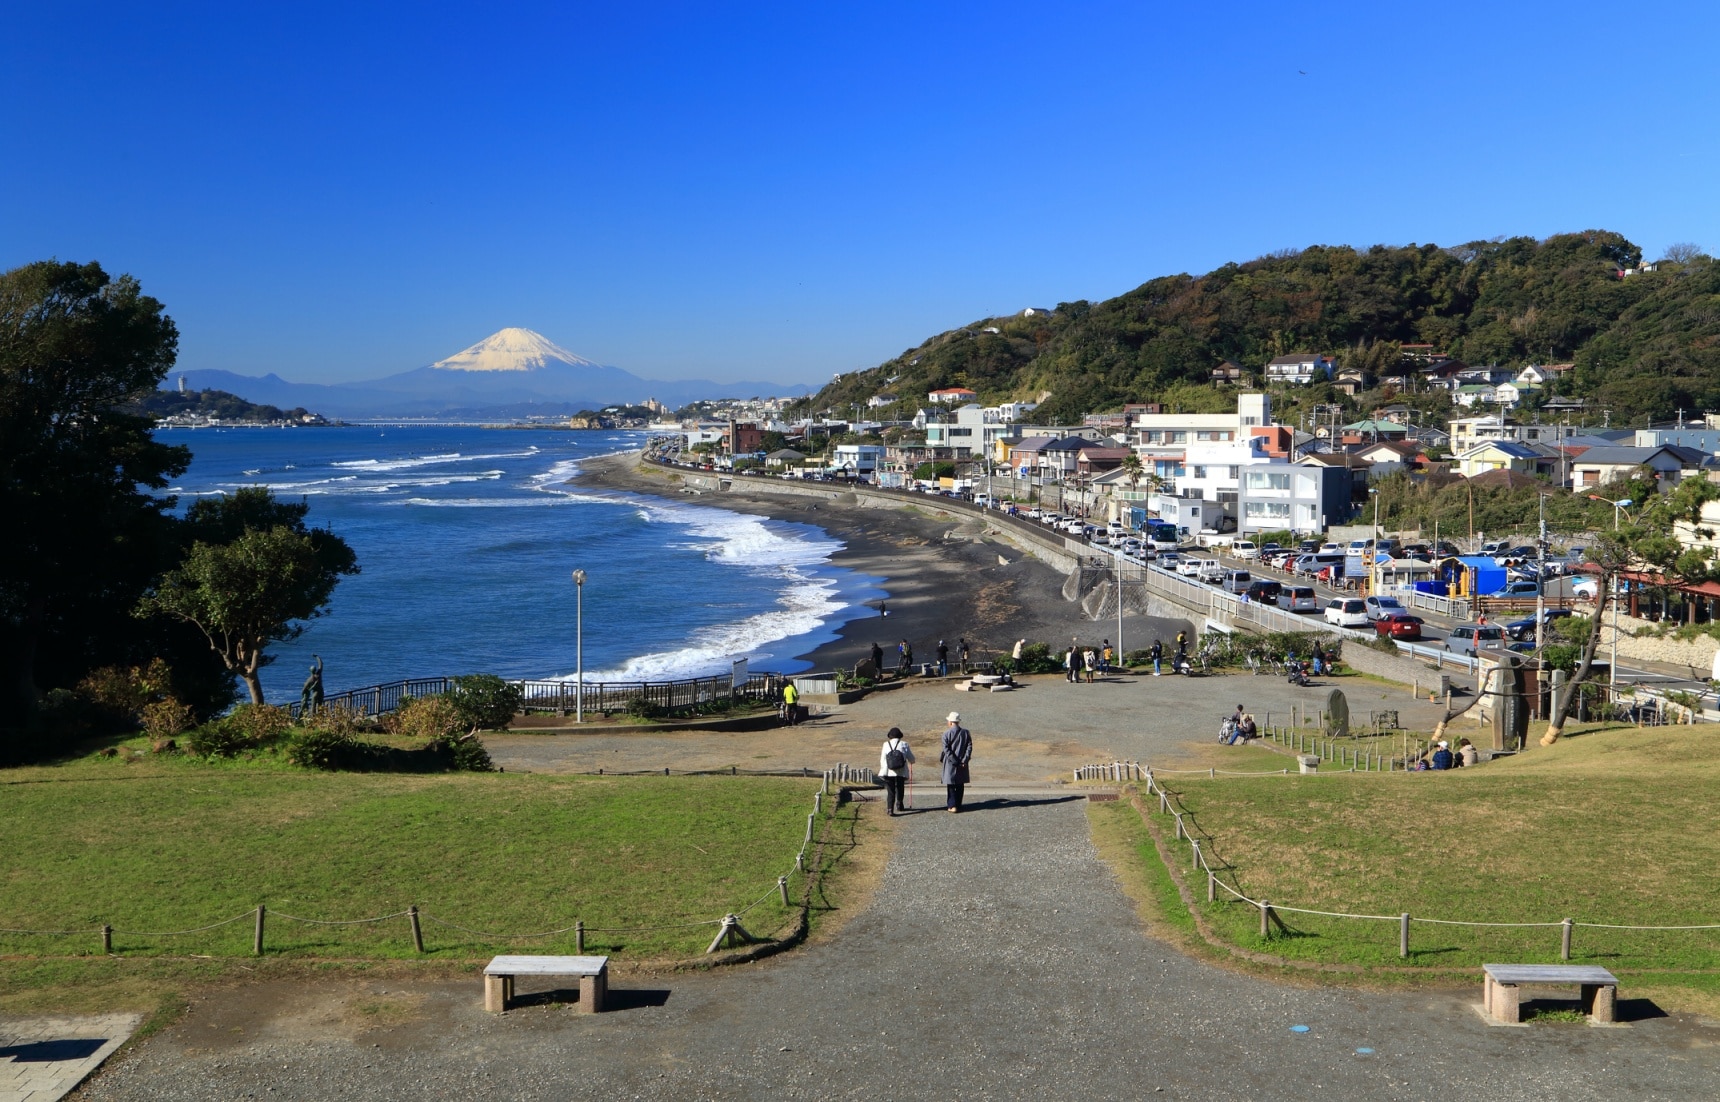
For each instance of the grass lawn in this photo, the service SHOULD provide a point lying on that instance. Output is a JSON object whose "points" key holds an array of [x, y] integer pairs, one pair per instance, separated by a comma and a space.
{"points": [[1608, 827], [160, 844]]}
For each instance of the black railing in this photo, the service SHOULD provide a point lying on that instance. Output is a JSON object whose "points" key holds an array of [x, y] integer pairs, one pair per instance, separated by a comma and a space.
{"points": [[565, 697]]}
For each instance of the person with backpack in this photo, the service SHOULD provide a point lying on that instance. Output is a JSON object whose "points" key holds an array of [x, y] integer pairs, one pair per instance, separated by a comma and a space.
{"points": [[955, 755], [893, 762], [790, 704], [943, 653]]}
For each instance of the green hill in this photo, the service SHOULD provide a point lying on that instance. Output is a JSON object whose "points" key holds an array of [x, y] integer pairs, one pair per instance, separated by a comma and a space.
{"points": [[1644, 345]]}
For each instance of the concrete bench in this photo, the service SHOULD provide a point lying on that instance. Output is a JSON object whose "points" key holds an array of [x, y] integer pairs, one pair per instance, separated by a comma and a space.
{"points": [[1500, 984], [593, 973]]}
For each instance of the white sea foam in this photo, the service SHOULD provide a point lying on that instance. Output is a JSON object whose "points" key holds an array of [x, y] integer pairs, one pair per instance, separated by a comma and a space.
{"points": [[427, 460]]}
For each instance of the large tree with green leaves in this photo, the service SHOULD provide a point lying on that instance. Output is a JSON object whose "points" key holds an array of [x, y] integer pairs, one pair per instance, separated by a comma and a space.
{"points": [[253, 576], [85, 534]]}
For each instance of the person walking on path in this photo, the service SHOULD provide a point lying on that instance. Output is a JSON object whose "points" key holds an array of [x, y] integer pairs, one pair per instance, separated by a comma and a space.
{"points": [[791, 704], [1106, 656], [957, 752], [1069, 661], [907, 654], [1158, 656], [943, 659], [877, 659], [1089, 663], [893, 762], [962, 651]]}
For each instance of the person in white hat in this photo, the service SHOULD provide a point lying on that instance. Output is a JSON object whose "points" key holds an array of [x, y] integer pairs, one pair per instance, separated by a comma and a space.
{"points": [[957, 753]]}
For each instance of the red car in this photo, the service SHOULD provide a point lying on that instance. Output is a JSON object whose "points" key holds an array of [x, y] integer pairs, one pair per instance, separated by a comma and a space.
{"points": [[1399, 625]]}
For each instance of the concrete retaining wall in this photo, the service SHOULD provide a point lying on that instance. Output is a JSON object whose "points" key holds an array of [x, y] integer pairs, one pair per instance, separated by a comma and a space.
{"points": [[1394, 667]]}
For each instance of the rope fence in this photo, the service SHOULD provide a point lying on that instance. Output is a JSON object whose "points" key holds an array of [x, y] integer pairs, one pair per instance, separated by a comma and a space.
{"points": [[729, 928], [1169, 804]]}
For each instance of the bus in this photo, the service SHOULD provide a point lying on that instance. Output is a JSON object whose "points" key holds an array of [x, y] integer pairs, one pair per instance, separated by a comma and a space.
{"points": [[1161, 535]]}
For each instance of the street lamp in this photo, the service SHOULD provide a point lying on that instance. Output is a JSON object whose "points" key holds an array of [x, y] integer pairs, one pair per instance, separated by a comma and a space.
{"points": [[1374, 552], [1618, 506], [579, 645]]}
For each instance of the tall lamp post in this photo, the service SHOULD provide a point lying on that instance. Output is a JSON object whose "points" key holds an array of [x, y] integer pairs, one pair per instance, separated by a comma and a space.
{"points": [[1374, 552], [579, 646], [1618, 508]]}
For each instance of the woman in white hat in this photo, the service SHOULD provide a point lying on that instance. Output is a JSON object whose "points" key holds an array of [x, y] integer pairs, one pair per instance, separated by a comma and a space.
{"points": [[957, 753]]}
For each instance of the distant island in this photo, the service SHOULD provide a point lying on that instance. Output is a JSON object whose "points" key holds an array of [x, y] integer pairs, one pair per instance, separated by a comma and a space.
{"points": [[200, 408]]}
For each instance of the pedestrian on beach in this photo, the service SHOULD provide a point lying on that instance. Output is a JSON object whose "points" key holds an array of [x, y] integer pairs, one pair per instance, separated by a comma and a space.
{"points": [[962, 650], [1158, 656], [955, 755], [943, 659], [877, 658], [883, 609], [893, 762]]}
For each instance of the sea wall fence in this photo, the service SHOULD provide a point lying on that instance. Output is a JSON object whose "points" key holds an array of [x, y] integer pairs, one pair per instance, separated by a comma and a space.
{"points": [[564, 697], [795, 888], [1223, 886]]}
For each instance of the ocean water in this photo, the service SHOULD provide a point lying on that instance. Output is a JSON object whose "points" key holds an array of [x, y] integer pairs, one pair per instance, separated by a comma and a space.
{"points": [[467, 539]]}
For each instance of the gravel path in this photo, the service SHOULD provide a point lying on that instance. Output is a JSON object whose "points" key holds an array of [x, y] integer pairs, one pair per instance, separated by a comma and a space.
{"points": [[997, 960]]}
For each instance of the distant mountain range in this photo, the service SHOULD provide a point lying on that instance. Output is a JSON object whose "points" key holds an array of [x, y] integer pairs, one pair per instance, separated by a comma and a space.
{"points": [[512, 373]]}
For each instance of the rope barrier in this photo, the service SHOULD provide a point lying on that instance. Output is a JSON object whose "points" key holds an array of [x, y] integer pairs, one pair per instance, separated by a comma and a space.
{"points": [[338, 921], [197, 930]]}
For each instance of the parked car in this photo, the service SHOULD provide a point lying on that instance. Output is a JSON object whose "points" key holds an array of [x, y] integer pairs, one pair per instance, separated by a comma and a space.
{"points": [[1246, 550], [1525, 628], [1308, 547], [1511, 555], [1522, 587], [1586, 587], [1470, 638], [1383, 606], [1310, 565], [1398, 625], [1298, 598], [1264, 590], [1236, 581], [1347, 612]]}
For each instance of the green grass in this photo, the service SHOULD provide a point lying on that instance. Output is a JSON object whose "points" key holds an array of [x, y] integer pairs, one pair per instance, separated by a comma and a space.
{"points": [[1608, 827], [165, 844]]}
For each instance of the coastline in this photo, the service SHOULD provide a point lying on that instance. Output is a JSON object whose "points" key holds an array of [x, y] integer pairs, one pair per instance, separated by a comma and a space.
{"points": [[940, 577]]}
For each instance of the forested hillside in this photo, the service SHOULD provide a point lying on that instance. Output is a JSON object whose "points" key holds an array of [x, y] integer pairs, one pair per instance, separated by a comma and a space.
{"points": [[1644, 345]]}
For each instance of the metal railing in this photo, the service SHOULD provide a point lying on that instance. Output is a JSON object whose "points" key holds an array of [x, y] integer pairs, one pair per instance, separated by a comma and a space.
{"points": [[560, 697]]}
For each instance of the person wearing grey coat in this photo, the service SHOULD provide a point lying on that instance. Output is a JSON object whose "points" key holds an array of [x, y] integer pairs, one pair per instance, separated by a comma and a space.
{"points": [[957, 753]]}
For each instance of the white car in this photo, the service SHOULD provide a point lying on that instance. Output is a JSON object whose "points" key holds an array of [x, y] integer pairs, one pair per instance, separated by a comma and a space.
{"points": [[1189, 568], [1347, 612], [1380, 607], [1586, 588], [1247, 550]]}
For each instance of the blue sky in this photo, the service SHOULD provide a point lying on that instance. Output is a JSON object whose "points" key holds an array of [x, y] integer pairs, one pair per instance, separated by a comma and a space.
{"points": [[782, 192]]}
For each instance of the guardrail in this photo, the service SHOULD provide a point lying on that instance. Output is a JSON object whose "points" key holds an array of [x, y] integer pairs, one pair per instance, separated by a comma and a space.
{"points": [[561, 697]]}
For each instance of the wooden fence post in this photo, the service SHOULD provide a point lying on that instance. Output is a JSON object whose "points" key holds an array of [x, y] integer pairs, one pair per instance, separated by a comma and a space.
{"points": [[257, 941], [579, 937], [1211, 886], [782, 886], [1403, 935], [1194, 853], [1265, 919], [1565, 940], [417, 930], [107, 939]]}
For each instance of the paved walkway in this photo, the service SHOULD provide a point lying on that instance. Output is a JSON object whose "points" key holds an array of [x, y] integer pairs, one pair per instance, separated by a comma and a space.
{"points": [[42, 1059], [997, 961]]}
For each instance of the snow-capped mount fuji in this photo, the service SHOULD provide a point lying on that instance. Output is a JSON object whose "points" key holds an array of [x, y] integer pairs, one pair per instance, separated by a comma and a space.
{"points": [[512, 372], [512, 350]]}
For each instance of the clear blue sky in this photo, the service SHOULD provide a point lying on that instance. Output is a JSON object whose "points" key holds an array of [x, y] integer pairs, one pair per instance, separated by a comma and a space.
{"points": [[781, 192]]}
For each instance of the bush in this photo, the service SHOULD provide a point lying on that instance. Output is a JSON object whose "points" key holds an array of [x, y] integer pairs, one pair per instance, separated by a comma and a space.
{"points": [[340, 718], [165, 718], [323, 749], [642, 708], [1138, 658], [467, 755], [1035, 658], [127, 689], [218, 739], [260, 723], [485, 702], [426, 717]]}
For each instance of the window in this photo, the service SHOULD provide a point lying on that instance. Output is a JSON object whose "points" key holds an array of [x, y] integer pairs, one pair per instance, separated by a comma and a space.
{"points": [[1267, 510], [1204, 435], [1176, 437], [1268, 480], [1235, 473], [961, 432], [1198, 472]]}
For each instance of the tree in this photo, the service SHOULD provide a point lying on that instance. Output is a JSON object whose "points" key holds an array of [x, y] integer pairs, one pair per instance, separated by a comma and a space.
{"points": [[1683, 252], [85, 537], [251, 577]]}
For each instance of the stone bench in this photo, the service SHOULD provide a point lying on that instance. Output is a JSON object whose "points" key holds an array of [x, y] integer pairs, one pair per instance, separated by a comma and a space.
{"points": [[1501, 983], [593, 973]]}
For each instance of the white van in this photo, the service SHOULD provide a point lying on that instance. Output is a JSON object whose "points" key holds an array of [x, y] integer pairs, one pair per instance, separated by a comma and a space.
{"points": [[1347, 612], [1247, 550]]}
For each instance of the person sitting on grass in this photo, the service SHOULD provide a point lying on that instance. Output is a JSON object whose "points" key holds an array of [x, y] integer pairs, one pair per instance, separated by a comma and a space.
{"points": [[1442, 756]]}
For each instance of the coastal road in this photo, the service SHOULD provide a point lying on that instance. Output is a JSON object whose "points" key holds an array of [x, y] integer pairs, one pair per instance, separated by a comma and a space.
{"points": [[998, 960]]}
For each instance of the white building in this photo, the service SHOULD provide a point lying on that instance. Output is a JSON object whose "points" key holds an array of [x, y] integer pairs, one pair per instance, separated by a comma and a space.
{"points": [[862, 459], [1300, 369]]}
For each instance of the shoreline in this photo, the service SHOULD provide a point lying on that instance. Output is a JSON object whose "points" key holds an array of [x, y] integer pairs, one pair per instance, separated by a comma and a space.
{"points": [[940, 577]]}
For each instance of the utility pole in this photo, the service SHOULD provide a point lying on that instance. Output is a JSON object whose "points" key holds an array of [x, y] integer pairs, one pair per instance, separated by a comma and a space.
{"points": [[1541, 577]]}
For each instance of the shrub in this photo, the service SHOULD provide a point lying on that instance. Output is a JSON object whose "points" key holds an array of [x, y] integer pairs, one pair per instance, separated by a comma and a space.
{"points": [[218, 739], [466, 754], [259, 723], [165, 718], [322, 749], [426, 717], [485, 702], [1037, 658], [126, 689], [1138, 658], [642, 708], [341, 718]]}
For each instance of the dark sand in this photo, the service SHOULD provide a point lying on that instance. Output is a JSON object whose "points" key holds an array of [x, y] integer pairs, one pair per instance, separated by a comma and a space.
{"points": [[944, 578]]}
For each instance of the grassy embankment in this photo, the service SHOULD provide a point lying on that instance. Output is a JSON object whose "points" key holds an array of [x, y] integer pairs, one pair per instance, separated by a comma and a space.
{"points": [[1608, 827], [163, 844]]}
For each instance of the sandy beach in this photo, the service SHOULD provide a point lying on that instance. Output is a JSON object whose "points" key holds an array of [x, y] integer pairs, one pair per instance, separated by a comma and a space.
{"points": [[944, 578]]}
